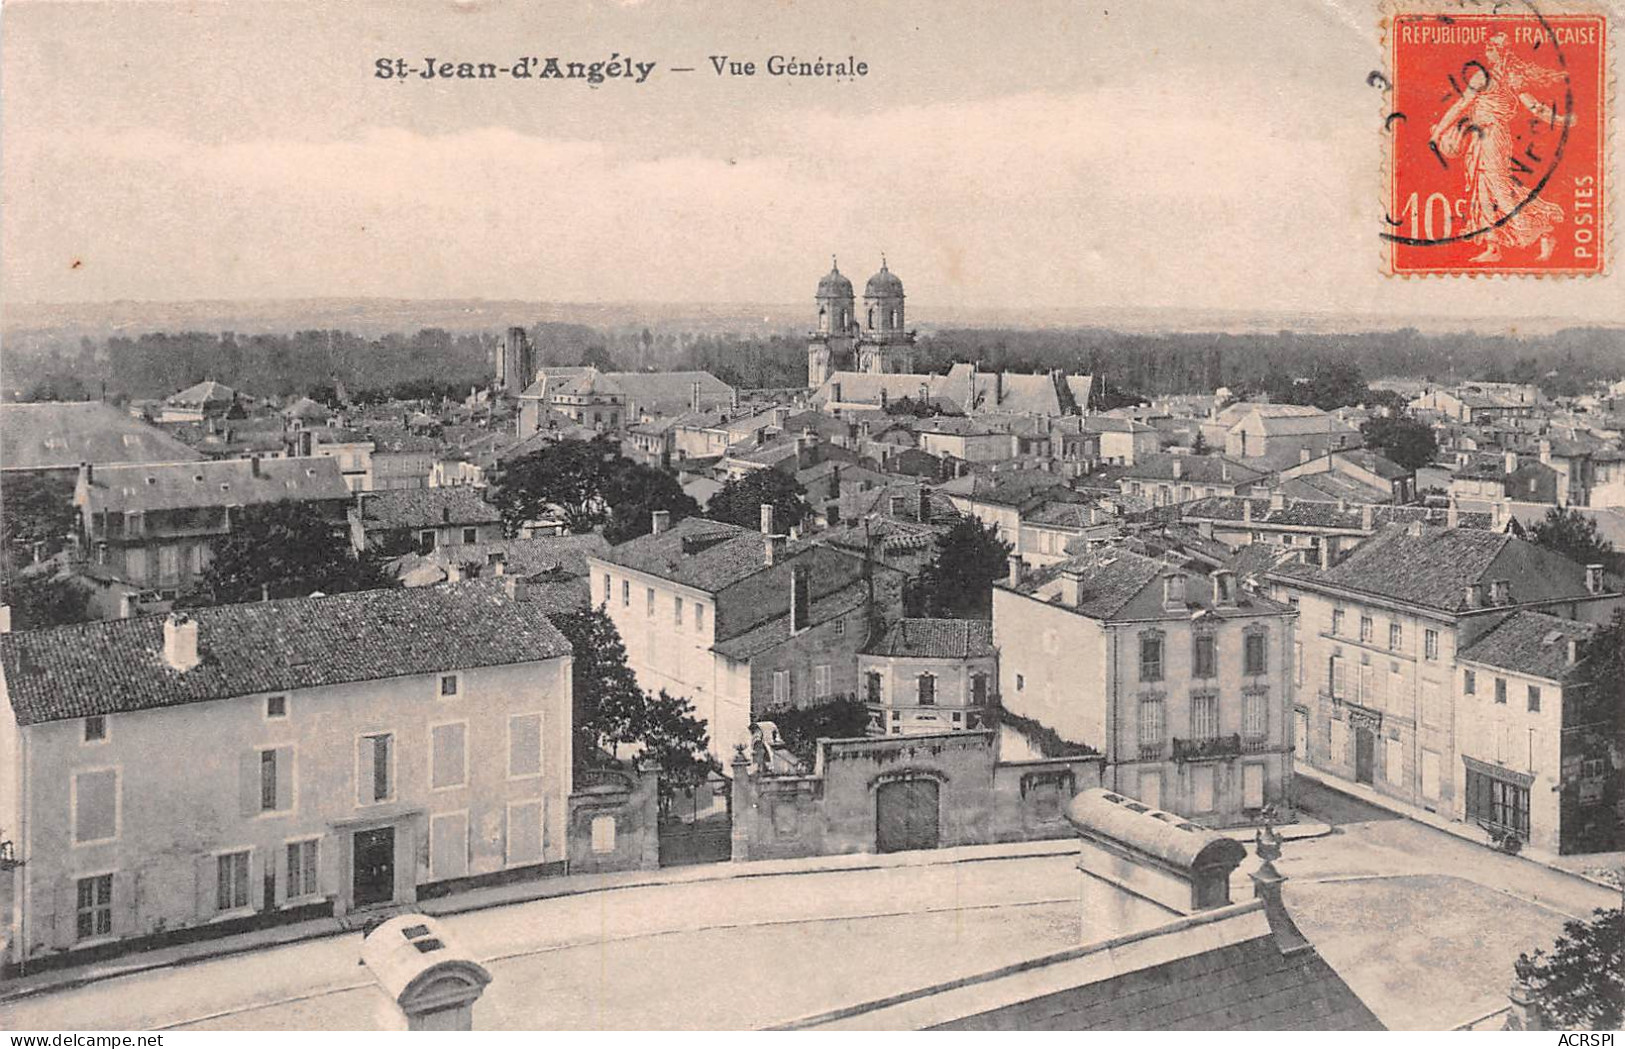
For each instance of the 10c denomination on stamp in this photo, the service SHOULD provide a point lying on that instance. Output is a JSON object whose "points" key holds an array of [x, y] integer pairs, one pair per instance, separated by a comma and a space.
{"points": [[1497, 129]]}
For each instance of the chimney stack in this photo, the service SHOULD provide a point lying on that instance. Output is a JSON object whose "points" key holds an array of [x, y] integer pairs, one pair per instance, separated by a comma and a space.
{"points": [[1367, 518], [1173, 592], [1224, 588], [694, 398], [660, 520], [1593, 579], [772, 550], [1546, 451], [1473, 595], [1574, 650], [1015, 570], [87, 474], [1277, 500], [1179, 468], [5, 619], [1452, 515], [1246, 510], [767, 518], [126, 605], [1509, 462], [180, 642], [1303, 455], [1071, 586]]}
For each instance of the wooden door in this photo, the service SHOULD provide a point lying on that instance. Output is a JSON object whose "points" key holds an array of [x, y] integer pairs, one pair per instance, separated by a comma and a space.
{"points": [[906, 815], [1365, 753], [374, 866]]}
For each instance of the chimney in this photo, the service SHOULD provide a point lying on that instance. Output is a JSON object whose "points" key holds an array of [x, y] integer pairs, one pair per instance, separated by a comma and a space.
{"points": [[1224, 588], [1179, 468], [1546, 452], [5, 619], [1472, 595], [1593, 579], [1246, 510], [923, 511], [1509, 462], [694, 398], [772, 549], [1574, 650], [1303, 455], [1173, 592], [660, 520], [1452, 515], [254, 465], [1414, 529], [1071, 587], [767, 518], [1501, 592], [1367, 518], [1015, 570], [1326, 553], [87, 474], [1277, 500], [1224, 469], [126, 605], [180, 642], [1342, 505], [515, 587], [1503, 515]]}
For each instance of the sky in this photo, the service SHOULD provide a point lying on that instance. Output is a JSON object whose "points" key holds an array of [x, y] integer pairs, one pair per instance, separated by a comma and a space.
{"points": [[1016, 155]]}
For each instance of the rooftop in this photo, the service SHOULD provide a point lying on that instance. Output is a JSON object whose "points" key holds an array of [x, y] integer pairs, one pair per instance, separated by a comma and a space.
{"points": [[426, 508], [937, 639], [269, 646], [61, 435], [227, 482], [1530, 643]]}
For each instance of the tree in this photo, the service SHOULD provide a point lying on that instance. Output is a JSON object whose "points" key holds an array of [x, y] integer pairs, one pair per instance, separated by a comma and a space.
{"points": [[36, 509], [1580, 983], [42, 599], [633, 491], [567, 475], [610, 712], [1572, 534], [283, 549], [1407, 442], [802, 727], [740, 500], [959, 582], [1199, 446]]}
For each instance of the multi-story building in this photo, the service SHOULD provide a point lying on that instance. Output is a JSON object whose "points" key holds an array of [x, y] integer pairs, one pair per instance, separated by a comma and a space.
{"points": [[1168, 478], [250, 764], [739, 622], [1183, 682], [1380, 634], [1323, 533], [930, 675], [155, 525], [423, 519], [1535, 732], [51, 439]]}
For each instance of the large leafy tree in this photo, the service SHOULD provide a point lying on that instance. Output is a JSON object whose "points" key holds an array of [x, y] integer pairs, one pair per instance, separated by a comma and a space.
{"points": [[35, 509], [1580, 982], [40, 600], [802, 727], [567, 476], [611, 713], [1574, 535], [740, 500], [633, 491], [1404, 440], [959, 581], [283, 549]]}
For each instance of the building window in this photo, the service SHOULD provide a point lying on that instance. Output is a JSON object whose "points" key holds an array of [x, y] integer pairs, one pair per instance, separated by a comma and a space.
{"points": [[268, 798], [1534, 699], [276, 706], [1150, 657], [800, 599], [1337, 621], [96, 728], [927, 684], [1204, 656], [1204, 716], [302, 869], [1366, 629], [1396, 636], [1430, 644], [699, 618], [1500, 690], [1297, 661], [95, 806], [471, 535], [607, 588], [1255, 715], [231, 881], [448, 684], [374, 779], [821, 682], [840, 627], [1150, 723], [425, 542], [1255, 653], [626, 593], [1469, 682], [871, 686], [677, 610], [978, 689], [1021, 683], [448, 758], [781, 687], [1498, 803], [95, 912], [649, 601]]}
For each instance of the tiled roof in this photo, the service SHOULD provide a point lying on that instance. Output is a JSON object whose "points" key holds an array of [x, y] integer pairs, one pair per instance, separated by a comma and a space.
{"points": [[1112, 579], [1434, 569], [1194, 469], [937, 639], [667, 393], [426, 508], [1332, 485], [1006, 488], [776, 630], [1531, 643], [207, 392], [697, 552], [564, 554], [268, 646], [62, 435], [228, 482], [1314, 513]]}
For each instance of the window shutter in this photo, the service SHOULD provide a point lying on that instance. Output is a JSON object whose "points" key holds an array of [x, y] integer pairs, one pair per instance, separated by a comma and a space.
{"points": [[256, 879], [124, 903], [248, 783], [363, 770], [284, 778], [67, 912], [327, 862], [208, 885]]}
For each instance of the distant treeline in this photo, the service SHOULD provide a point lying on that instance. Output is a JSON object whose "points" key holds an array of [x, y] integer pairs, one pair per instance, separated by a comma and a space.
{"points": [[1137, 365]]}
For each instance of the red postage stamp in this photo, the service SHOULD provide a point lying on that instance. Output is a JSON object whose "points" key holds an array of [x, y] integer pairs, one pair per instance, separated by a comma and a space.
{"points": [[1497, 129]]}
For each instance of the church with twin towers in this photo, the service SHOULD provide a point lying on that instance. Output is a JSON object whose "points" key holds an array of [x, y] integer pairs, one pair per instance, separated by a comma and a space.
{"points": [[875, 341]]}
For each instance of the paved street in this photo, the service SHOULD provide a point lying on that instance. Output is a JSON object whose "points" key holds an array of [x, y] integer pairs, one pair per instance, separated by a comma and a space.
{"points": [[1423, 925]]}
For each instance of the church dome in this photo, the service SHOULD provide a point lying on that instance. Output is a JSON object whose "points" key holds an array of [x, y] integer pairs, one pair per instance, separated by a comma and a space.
{"points": [[883, 284], [834, 285]]}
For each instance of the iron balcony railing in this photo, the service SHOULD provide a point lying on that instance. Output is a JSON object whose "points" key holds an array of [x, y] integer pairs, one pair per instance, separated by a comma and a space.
{"points": [[1214, 748]]}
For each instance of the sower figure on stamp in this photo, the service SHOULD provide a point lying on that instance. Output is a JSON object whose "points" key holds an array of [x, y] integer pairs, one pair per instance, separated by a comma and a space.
{"points": [[1479, 127]]}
